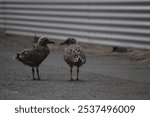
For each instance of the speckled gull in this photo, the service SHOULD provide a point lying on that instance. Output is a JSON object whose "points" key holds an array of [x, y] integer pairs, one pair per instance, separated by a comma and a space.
{"points": [[34, 56], [73, 55]]}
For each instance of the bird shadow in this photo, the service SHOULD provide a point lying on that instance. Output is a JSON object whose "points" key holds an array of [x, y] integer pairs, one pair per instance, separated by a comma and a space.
{"points": [[63, 80], [76, 81]]}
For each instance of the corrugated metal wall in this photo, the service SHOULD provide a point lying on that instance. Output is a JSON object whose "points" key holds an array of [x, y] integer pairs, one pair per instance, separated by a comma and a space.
{"points": [[111, 22], [1, 14]]}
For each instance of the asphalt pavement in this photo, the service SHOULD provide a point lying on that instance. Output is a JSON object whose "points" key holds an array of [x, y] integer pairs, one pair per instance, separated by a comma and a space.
{"points": [[103, 77]]}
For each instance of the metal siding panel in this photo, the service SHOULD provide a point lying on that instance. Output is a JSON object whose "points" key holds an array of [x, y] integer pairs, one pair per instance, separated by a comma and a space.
{"points": [[2, 14], [123, 23]]}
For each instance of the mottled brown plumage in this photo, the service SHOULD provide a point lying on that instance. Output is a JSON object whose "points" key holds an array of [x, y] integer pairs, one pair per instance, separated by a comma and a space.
{"points": [[35, 55], [73, 55]]}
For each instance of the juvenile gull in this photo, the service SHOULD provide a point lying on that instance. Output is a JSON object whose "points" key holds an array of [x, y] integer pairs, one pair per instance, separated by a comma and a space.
{"points": [[34, 56], [73, 55]]}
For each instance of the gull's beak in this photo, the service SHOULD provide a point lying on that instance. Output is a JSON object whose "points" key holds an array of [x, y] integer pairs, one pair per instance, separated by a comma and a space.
{"points": [[62, 43], [51, 42]]}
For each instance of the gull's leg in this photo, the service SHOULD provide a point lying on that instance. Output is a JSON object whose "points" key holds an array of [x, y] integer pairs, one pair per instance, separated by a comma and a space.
{"points": [[33, 73], [37, 70], [77, 73], [71, 73]]}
